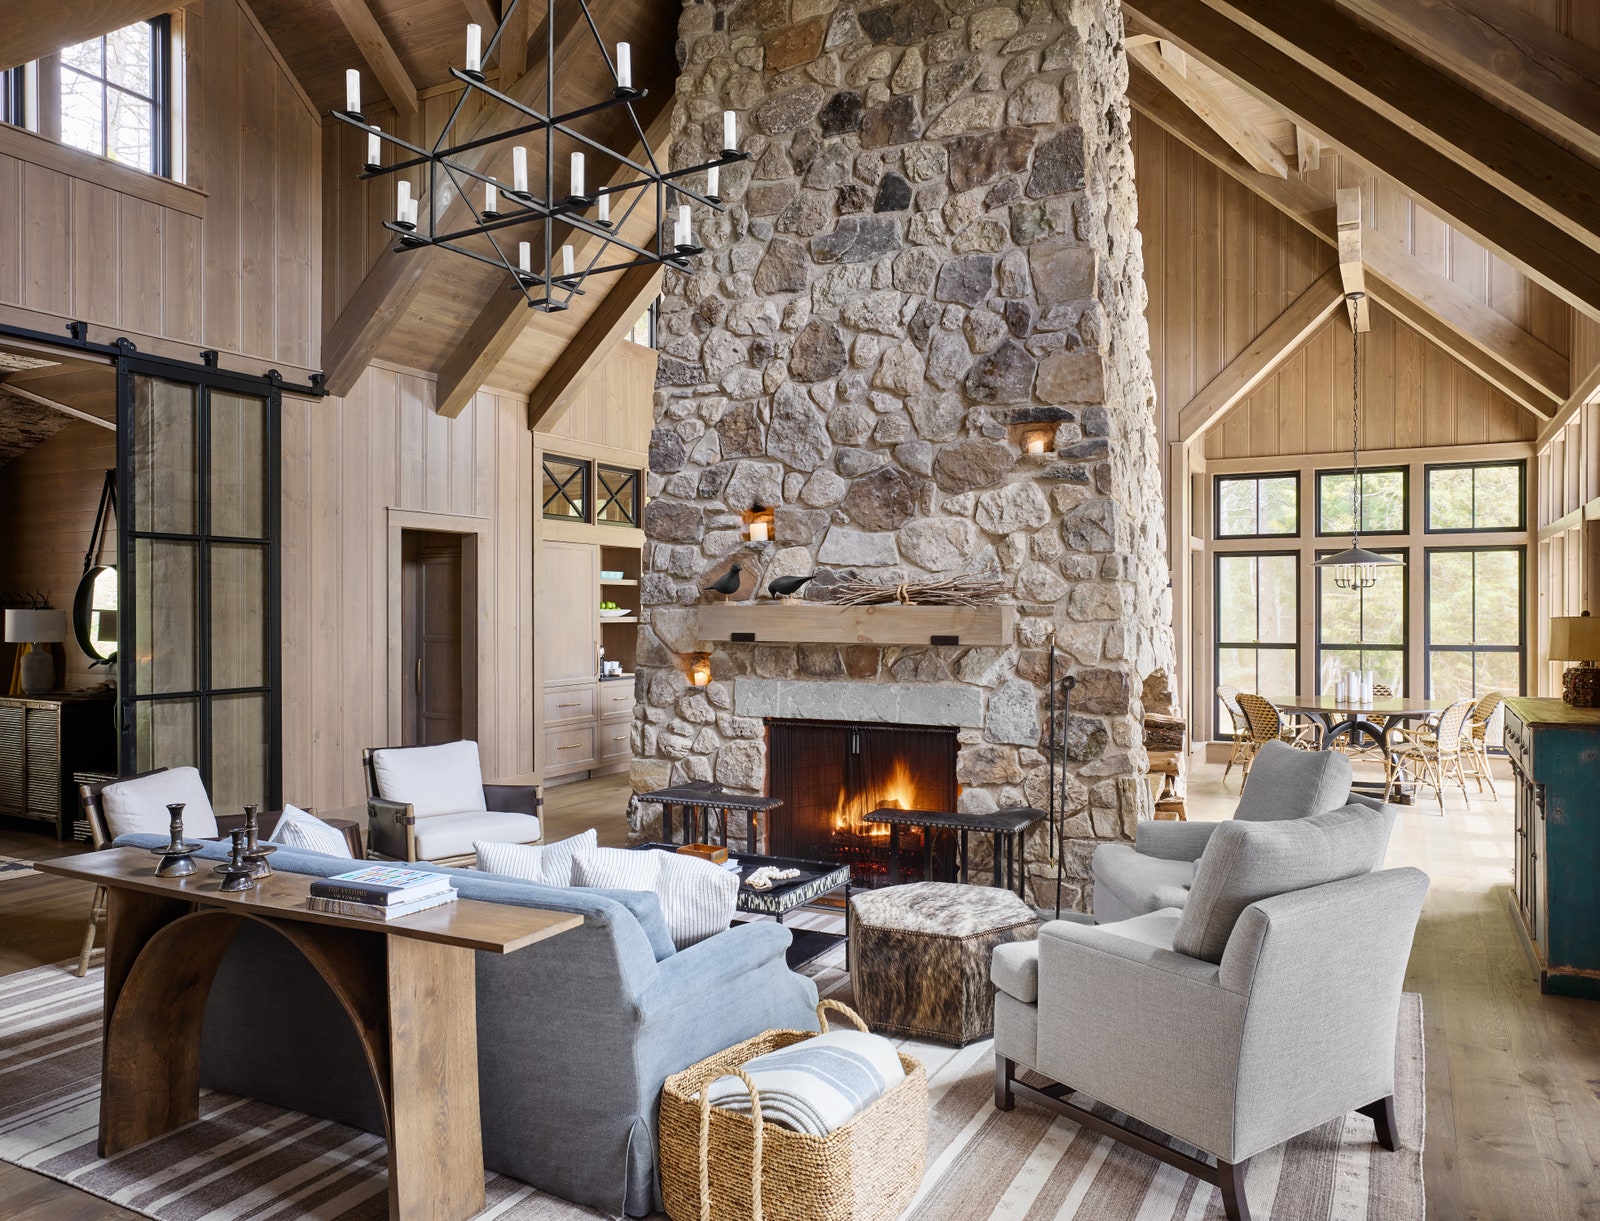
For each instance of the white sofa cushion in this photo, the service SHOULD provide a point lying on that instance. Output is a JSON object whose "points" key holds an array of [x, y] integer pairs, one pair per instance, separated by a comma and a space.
{"points": [[299, 829], [139, 807], [616, 869], [446, 835], [546, 864], [698, 898], [443, 779]]}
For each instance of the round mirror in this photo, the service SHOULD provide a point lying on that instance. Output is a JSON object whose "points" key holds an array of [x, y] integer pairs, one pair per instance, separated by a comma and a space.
{"points": [[94, 613]]}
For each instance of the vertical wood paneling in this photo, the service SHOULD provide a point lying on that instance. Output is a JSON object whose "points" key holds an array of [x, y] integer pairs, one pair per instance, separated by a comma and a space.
{"points": [[95, 253], [142, 278], [258, 223], [46, 240], [10, 230], [296, 601]]}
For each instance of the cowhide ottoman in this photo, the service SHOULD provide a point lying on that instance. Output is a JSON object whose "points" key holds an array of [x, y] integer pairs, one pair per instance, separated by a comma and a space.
{"points": [[919, 957]]}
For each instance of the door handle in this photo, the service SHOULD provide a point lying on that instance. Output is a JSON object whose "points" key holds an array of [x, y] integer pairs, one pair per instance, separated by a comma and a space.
{"points": [[419, 676]]}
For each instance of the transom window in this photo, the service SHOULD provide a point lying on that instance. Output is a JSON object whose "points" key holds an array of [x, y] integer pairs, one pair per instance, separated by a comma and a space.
{"points": [[566, 488], [618, 501], [1258, 506], [1483, 496], [1383, 501], [1362, 629], [1475, 621]]}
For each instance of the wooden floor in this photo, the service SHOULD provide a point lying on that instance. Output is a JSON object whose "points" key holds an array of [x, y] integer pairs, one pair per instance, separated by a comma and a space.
{"points": [[1513, 1124]]}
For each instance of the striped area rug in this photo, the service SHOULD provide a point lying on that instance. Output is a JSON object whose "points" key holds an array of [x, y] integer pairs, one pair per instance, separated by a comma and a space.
{"points": [[248, 1161], [11, 867]]}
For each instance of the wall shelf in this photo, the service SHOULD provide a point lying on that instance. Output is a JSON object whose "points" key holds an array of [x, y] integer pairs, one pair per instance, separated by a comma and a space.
{"points": [[822, 623]]}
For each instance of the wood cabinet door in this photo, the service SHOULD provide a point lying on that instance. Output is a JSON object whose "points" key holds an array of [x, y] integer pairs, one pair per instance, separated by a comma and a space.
{"points": [[566, 610]]}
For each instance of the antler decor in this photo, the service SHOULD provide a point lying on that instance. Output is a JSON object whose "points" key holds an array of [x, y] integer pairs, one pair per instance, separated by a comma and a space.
{"points": [[962, 590]]}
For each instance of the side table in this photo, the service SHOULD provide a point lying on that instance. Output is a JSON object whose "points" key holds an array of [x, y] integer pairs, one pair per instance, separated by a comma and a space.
{"points": [[695, 803], [1007, 826]]}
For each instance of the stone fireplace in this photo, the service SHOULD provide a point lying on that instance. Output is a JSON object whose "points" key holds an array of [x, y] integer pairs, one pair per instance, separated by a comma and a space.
{"points": [[915, 347]]}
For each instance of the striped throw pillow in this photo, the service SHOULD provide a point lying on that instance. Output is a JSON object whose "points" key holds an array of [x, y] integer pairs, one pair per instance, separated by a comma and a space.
{"points": [[616, 869], [697, 897], [298, 829], [546, 864]]}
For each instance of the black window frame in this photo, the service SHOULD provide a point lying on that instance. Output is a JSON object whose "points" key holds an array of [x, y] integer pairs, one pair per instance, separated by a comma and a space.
{"points": [[1520, 648], [1403, 648], [1522, 497], [652, 317], [630, 480], [160, 100], [1405, 500], [583, 469], [14, 96], [1219, 714], [1256, 478]]}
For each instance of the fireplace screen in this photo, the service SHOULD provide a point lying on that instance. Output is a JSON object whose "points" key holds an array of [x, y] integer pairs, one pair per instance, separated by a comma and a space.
{"points": [[829, 774]]}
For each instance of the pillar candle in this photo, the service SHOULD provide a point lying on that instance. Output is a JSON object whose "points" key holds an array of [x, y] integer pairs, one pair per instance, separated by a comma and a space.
{"points": [[491, 197], [713, 181], [730, 132], [474, 47], [352, 91], [624, 66], [519, 170], [577, 173], [524, 256], [402, 211]]}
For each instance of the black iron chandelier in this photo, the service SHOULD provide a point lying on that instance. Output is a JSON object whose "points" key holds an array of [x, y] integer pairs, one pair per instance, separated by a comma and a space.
{"points": [[1355, 567], [513, 225]]}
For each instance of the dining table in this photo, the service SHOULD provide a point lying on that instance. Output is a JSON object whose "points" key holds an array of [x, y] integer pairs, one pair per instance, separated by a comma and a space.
{"points": [[1354, 720]]}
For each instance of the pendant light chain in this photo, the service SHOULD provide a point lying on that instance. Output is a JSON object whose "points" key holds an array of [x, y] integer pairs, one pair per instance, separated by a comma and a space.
{"points": [[1355, 423]]}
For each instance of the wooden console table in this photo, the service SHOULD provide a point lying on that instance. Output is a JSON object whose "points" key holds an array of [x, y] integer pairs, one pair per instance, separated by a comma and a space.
{"points": [[407, 986]]}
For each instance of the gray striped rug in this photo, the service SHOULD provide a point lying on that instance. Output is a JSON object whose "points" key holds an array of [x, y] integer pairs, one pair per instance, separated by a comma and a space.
{"points": [[11, 867], [248, 1161]]}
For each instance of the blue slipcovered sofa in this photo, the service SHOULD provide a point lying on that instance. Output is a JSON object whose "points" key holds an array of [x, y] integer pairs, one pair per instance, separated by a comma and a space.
{"points": [[575, 1034]]}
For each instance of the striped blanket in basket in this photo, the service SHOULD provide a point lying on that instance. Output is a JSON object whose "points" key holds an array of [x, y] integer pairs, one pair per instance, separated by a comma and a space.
{"points": [[816, 1085]]}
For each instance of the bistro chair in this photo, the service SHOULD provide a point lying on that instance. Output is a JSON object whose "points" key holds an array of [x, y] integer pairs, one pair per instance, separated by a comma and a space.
{"points": [[1432, 755], [1229, 697], [1477, 743], [1355, 747], [1264, 723]]}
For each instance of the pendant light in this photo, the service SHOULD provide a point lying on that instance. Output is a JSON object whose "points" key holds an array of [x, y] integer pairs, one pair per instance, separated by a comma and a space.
{"points": [[1355, 567]]}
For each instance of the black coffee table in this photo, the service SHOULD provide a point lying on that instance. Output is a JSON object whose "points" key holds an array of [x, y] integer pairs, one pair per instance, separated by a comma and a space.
{"points": [[817, 878]]}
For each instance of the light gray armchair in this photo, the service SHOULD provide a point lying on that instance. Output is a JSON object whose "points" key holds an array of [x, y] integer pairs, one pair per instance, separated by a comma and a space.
{"points": [[1157, 869], [1265, 1008]]}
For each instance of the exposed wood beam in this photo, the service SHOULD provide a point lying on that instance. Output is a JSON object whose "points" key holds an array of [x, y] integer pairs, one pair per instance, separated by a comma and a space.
{"points": [[481, 13], [1263, 354], [1347, 220], [39, 400], [500, 322], [513, 48], [1308, 150], [1139, 40], [1560, 255], [601, 331], [1513, 58], [1245, 139], [1585, 390], [31, 30], [388, 290], [1492, 345], [379, 53]]}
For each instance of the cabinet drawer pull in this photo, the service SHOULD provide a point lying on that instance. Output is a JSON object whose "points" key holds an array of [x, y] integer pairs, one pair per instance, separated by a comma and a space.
{"points": [[578, 705], [620, 737], [571, 746]]}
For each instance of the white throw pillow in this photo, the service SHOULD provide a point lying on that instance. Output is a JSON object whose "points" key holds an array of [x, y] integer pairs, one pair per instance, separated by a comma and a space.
{"points": [[444, 779], [139, 807], [546, 864], [698, 898], [616, 869], [300, 829]]}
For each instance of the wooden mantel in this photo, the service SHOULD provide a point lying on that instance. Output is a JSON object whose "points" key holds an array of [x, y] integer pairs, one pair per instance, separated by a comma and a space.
{"points": [[821, 623]]}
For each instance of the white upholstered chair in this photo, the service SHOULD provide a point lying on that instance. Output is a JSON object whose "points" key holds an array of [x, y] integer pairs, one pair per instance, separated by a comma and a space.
{"points": [[429, 803]]}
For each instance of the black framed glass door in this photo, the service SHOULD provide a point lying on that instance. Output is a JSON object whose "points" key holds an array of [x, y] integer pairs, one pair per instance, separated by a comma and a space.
{"points": [[198, 545]]}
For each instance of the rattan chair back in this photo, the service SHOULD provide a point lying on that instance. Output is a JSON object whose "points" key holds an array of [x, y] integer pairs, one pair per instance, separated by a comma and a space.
{"points": [[1483, 710], [1451, 722], [1229, 697], [1264, 721]]}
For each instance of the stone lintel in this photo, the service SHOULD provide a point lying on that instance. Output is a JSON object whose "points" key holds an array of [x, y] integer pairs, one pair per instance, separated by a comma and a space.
{"points": [[887, 703]]}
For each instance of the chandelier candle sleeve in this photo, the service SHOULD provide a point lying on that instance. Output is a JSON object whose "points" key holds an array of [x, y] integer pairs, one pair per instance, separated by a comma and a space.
{"points": [[713, 181], [352, 90], [566, 260], [605, 210], [624, 66], [374, 148], [411, 212], [519, 170], [491, 199], [525, 257], [681, 233], [730, 132], [474, 48], [577, 175], [402, 210]]}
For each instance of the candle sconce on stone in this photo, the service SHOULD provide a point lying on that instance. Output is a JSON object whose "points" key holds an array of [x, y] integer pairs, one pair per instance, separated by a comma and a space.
{"points": [[759, 524], [1035, 438], [699, 669]]}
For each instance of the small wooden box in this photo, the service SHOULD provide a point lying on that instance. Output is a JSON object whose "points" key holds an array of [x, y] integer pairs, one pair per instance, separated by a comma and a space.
{"points": [[706, 852]]}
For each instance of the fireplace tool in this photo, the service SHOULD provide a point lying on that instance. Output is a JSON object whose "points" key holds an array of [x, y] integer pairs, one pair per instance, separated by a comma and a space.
{"points": [[1058, 790]]}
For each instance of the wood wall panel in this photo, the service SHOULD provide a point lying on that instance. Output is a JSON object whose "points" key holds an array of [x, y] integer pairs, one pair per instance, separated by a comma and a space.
{"points": [[347, 463], [613, 408]]}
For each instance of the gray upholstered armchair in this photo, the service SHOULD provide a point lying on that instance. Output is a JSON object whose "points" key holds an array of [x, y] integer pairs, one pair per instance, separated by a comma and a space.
{"points": [[1157, 869], [1264, 1008]]}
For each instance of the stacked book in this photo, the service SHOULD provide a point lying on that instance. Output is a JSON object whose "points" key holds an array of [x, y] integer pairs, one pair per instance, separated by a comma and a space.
{"points": [[382, 892]]}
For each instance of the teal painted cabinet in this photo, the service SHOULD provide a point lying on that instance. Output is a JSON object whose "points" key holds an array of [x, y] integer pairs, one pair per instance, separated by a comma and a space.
{"points": [[1555, 763]]}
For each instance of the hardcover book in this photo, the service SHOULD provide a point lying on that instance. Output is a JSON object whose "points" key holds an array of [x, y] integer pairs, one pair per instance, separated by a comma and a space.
{"points": [[380, 884]]}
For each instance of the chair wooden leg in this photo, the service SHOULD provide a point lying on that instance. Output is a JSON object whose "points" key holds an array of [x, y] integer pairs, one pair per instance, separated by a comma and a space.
{"points": [[1230, 1178], [97, 907], [1382, 1115], [1005, 1072]]}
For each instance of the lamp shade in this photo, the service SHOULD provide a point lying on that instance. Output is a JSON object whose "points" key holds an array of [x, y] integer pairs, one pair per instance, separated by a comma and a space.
{"points": [[36, 626], [1574, 638]]}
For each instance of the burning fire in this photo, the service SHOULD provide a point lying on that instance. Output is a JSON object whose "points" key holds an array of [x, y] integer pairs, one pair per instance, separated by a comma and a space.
{"points": [[898, 792]]}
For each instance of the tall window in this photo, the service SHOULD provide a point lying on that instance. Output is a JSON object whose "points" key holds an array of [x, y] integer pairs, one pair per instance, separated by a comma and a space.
{"points": [[1475, 621], [1257, 623], [643, 332], [115, 93], [14, 96], [1362, 629], [1484, 496], [1383, 502], [1258, 506]]}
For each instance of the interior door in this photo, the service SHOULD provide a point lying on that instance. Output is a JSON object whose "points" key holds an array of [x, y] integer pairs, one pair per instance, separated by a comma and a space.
{"points": [[431, 606]]}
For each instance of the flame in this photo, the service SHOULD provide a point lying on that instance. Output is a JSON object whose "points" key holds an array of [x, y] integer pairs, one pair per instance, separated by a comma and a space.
{"points": [[898, 792]]}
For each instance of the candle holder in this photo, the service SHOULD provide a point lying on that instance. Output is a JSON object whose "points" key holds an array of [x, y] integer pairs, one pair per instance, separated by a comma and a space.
{"points": [[237, 873], [175, 857], [255, 852]]}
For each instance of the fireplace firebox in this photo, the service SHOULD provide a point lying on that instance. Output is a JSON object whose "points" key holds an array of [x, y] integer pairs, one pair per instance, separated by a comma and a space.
{"points": [[832, 773]]}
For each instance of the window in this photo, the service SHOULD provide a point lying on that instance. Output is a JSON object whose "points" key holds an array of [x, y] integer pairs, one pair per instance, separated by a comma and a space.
{"points": [[566, 488], [617, 500], [14, 96], [1257, 624], [1475, 629], [1487, 496], [1362, 629], [644, 330], [1383, 502], [114, 96], [1258, 506]]}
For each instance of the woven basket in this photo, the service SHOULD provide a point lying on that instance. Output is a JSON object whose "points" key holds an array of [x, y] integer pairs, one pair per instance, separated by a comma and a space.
{"points": [[867, 1170]]}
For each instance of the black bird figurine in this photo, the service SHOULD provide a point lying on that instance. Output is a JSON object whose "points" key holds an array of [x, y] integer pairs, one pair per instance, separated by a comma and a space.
{"points": [[727, 583], [786, 587]]}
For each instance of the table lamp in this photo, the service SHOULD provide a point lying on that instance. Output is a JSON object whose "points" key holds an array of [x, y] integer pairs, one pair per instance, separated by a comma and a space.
{"points": [[36, 667], [1577, 638]]}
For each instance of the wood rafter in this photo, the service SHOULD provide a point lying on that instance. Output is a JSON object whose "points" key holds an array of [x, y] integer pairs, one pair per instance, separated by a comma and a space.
{"points": [[1308, 150], [1410, 122], [1514, 58], [39, 400], [379, 53], [504, 318], [632, 292], [482, 13], [1347, 220], [31, 30], [514, 44], [1514, 361], [1262, 355], [1242, 136], [388, 290], [1586, 389]]}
